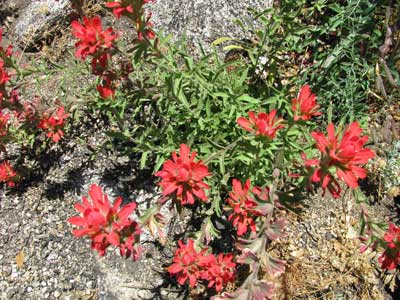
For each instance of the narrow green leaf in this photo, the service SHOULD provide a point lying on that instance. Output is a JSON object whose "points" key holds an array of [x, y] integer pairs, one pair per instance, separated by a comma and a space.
{"points": [[231, 47], [143, 159], [221, 40]]}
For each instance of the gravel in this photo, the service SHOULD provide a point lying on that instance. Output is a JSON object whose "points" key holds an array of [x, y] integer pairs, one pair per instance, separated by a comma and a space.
{"points": [[204, 20], [40, 259]]}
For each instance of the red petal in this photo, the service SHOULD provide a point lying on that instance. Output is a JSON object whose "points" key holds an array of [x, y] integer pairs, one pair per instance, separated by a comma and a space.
{"points": [[117, 203], [96, 194], [113, 238], [184, 152], [348, 177], [78, 221], [127, 210], [244, 123]]}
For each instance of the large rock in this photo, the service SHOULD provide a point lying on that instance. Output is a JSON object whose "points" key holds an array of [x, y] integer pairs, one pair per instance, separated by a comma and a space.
{"points": [[39, 19], [11, 7], [203, 20], [200, 20]]}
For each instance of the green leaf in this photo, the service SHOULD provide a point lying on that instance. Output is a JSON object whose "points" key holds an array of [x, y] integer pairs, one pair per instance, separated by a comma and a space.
{"points": [[143, 159], [247, 98], [231, 47], [221, 40]]}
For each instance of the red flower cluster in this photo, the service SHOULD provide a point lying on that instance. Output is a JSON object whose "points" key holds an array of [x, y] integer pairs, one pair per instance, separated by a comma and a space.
{"points": [[7, 174], [390, 258], [97, 43], [120, 8], [4, 78], [219, 270], [107, 225], [3, 126], [92, 39], [305, 105], [133, 10], [188, 264], [53, 124], [183, 177], [343, 154], [9, 50], [263, 124], [244, 207]]}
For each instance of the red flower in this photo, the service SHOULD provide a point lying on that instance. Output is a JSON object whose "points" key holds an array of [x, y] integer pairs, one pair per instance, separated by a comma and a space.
{"points": [[321, 175], [92, 39], [53, 124], [182, 176], [327, 182], [146, 30], [243, 207], [4, 76], [28, 110], [187, 263], [308, 163], [263, 124], [120, 8], [344, 154], [129, 243], [7, 174], [107, 88], [305, 105], [9, 49], [3, 125], [219, 270], [390, 259], [105, 224], [99, 64]]}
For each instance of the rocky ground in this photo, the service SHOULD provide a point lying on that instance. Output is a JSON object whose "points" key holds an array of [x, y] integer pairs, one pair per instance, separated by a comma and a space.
{"points": [[40, 259]]}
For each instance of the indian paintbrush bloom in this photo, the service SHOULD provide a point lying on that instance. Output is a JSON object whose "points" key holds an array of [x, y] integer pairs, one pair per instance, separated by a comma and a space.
{"points": [[182, 177], [192, 266], [92, 39], [107, 88], [7, 174], [97, 43], [3, 124], [53, 124], [219, 270], [264, 124], [343, 154], [244, 207], [187, 263], [120, 8], [9, 50], [107, 225], [305, 105], [4, 76], [133, 9], [390, 258]]}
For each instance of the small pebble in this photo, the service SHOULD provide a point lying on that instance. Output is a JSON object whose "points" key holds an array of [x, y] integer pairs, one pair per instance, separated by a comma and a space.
{"points": [[328, 236]]}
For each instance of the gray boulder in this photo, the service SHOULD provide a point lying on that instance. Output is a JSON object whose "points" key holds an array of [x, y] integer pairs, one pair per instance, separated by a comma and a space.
{"points": [[199, 20], [11, 7], [39, 19], [203, 20]]}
